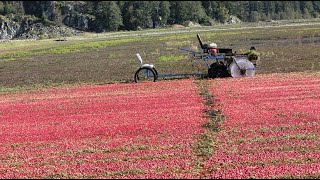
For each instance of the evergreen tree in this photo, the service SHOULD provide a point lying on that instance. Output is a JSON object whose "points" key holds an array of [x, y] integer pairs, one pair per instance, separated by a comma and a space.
{"points": [[155, 8], [137, 14], [269, 9], [236, 8], [89, 7], [197, 12], [108, 16], [130, 15], [164, 12], [288, 12], [1, 8], [232, 6], [254, 16], [113, 17], [297, 10], [307, 9], [316, 7], [178, 11], [223, 14], [188, 11], [255, 10], [207, 5]]}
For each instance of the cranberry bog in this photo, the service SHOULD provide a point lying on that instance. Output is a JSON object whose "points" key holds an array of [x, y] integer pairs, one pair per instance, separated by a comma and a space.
{"points": [[261, 127], [70, 109], [111, 131], [272, 127]]}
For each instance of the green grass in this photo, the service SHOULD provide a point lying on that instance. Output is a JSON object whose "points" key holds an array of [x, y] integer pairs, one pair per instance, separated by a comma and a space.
{"points": [[167, 58], [61, 49]]}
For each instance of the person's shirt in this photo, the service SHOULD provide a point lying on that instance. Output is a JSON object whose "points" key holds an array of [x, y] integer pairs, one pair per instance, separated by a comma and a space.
{"points": [[253, 55]]}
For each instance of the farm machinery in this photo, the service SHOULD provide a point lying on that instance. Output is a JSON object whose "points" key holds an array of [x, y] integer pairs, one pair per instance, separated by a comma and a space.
{"points": [[225, 64]]}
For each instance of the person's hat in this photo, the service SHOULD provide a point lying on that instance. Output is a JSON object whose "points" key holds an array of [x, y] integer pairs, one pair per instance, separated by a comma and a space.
{"points": [[253, 48], [213, 45]]}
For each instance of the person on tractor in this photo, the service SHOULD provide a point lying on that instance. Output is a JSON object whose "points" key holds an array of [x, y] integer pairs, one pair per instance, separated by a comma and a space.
{"points": [[213, 49], [253, 55]]}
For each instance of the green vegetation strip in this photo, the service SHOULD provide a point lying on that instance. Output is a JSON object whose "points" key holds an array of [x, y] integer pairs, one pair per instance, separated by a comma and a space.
{"points": [[64, 49], [204, 147], [168, 58]]}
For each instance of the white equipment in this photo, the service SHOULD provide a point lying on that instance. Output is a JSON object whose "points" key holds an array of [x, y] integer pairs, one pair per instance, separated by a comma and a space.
{"points": [[241, 67]]}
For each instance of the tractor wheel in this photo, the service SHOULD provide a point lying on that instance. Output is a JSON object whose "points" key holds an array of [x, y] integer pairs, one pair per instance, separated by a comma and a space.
{"points": [[217, 70], [145, 74]]}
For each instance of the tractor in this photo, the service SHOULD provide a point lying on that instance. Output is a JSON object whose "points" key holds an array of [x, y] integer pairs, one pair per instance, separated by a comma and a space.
{"points": [[226, 64]]}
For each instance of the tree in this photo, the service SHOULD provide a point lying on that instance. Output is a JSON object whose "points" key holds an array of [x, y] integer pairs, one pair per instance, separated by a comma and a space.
{"points": [[196, 12], [178, 11], [137, 14], [89, 7], [208, 7], [269, 9], [113, 17], [307, 9], [316, 7], [288, 12], [182, 11], [255, 10], [131, 15], [254, 16], [155, 8], [238, 9], [297, 10], [164, 12], [108, 15], [223, 14], [1, 8], [8, 8]]}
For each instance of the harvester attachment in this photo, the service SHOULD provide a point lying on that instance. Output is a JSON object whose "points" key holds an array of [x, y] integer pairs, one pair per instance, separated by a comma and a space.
{"points": [[241, 67]]}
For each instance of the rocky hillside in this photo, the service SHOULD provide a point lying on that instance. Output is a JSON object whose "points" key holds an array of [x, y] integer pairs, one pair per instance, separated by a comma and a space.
{"points": [[53, 19], [32, 29]]}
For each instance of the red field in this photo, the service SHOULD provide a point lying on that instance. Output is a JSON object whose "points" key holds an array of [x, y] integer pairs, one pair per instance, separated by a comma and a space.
{"points": [[149, 130], [272, 127], [111, 131]]}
